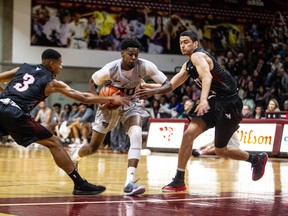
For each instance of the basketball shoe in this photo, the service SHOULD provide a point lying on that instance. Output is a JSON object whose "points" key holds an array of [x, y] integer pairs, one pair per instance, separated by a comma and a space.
{"points": [[88, 189], [75, 157], [259, 166], [174, 186], [131, 189]]}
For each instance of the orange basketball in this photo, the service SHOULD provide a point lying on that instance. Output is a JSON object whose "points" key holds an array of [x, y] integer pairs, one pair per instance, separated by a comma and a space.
{"points": [[109, 90]]}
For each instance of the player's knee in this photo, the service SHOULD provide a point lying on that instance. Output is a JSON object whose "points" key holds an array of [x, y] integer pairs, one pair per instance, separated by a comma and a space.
{"points": [[53, 142], [135, 134]]}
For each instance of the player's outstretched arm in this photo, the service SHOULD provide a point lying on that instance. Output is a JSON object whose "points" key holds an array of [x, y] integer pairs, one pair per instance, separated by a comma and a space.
{"points": [[6, 76], [83, 97]]}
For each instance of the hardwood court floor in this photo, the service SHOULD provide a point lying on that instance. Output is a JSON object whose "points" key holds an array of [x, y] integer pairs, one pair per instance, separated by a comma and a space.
{"points": [[31, 184]]}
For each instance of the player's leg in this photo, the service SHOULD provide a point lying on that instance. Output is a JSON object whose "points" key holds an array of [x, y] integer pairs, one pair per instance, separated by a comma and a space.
{"points": [[62, 159], [133, 127], [87, 149], [224, 130], [195, 128], [105, 120], [258, 161]]}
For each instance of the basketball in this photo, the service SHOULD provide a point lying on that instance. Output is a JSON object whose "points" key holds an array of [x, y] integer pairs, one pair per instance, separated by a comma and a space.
{"points": [[109, 90]]}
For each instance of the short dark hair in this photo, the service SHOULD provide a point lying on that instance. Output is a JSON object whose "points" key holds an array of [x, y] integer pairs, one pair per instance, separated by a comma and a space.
{"points": [[130, 42], [191, 34], [50, 54]]}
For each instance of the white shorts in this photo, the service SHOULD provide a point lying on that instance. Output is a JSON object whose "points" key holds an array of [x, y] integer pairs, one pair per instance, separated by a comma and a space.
{"points": [[106, 120]]}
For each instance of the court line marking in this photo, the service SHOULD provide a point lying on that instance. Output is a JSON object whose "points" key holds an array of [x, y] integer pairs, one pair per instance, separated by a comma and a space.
{"points": [[132, 201]]}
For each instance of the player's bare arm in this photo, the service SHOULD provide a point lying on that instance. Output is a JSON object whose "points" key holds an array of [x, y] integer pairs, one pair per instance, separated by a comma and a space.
{"points": [[83, 97], [180, 77], [203, 68], [149, 92], [6, 76]]}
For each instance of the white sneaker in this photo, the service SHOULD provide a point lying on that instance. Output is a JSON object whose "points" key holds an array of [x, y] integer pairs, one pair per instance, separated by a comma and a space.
{"points": [[75, 157], [131, 189]]}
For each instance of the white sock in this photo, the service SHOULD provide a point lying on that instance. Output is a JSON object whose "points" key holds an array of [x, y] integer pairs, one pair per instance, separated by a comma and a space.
{"points": [[75, 155], [85, 141], [130, 174]]}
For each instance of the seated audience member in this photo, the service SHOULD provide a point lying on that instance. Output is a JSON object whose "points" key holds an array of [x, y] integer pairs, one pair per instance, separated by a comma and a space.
{"points": [[154, 108], [188, 105], [64, 130], [81, 125], [44, 115], [57, 116], [273, 106], [165, 111], [259, 112], [67, 110], [246, 111]]}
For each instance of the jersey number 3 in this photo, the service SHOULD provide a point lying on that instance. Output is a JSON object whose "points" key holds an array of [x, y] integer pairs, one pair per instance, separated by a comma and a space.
{"points": [[27, 80]]}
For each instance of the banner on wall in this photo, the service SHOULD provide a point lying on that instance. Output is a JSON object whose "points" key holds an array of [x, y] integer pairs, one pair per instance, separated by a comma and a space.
{"points": [[284, 140], [165, 135], [252, 137]]}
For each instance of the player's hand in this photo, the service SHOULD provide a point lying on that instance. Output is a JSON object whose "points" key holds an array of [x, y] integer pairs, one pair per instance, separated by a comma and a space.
{"points": [[202, 108], [104, 106], [118, 98], [144, 93], [143, 85]]}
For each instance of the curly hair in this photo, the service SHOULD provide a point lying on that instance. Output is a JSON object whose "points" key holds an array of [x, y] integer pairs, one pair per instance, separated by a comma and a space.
{"points": [[130, 42]]}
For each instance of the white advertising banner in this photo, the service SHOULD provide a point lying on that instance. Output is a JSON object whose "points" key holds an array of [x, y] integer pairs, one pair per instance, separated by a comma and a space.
{"points": [[284, 139], [165, 134], [257, 137], [252, 137]]}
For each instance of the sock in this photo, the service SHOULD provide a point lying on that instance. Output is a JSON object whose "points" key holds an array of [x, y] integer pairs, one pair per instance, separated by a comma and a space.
{"points": [[76, 178], [253, 158], [180, 174], [77, 140], [130, 174], [85, 141]]}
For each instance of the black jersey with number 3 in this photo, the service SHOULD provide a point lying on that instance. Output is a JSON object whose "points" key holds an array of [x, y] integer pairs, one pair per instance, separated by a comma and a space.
{"points": [[223, 84], [27, 87]]}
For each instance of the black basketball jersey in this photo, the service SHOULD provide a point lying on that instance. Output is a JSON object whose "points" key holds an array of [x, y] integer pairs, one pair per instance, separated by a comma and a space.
{"points": [[223, 84], [27, 88]]}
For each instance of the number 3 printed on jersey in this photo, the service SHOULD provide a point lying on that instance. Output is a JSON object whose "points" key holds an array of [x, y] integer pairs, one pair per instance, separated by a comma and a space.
{"points": [[27, 80]]}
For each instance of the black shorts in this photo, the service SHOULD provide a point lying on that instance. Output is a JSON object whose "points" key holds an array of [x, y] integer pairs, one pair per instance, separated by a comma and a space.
{"points": [[225, 115], [20, 126]]}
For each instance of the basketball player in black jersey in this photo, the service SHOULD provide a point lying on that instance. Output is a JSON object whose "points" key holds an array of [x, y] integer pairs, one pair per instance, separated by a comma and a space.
{"points": [[30, 84], [219, 107]]}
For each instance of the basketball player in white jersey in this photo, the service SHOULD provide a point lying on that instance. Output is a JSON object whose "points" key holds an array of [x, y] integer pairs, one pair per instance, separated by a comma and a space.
{"points": [[125, 73]]}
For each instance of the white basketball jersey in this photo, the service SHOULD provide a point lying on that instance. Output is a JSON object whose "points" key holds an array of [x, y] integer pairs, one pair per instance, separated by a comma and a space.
{"points": [[128, 81]]}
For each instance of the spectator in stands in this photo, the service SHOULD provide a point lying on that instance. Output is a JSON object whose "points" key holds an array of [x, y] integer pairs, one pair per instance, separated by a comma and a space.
{"points": [[153, 110], [118, 139], [164, 110], [67, 109], [262, 96], [57, 116], [251, 91], [273, 106], [44, 114], [246, 111], [188, 105], [81, 125], [175, 106], [285, 106], [248, 101], [259, 112]]}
